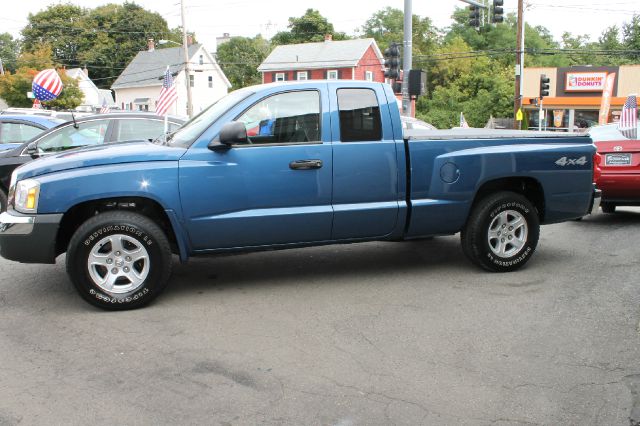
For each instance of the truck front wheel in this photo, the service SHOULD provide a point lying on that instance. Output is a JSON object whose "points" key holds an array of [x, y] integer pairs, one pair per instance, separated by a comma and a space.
{"points": [[119, 260], [502, 232]]}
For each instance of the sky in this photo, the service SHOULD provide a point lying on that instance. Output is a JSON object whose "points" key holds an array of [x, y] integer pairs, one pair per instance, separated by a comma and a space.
{"points": [[211, 18]]}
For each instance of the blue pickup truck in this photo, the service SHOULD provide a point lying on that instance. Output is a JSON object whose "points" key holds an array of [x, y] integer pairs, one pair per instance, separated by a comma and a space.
{"points": [[288, 165]]}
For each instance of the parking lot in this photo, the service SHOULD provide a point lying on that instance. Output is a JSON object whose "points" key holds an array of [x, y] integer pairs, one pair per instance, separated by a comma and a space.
{"points": [[364, 334]]}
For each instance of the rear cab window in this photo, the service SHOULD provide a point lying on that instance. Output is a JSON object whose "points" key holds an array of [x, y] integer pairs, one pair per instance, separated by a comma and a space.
{"points": [[359, 115]]}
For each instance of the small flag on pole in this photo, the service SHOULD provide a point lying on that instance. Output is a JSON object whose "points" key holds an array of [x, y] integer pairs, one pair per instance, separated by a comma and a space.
{"points": [[36, 104], [105, 107], [628, 124], [463, 122], [168, 94]]}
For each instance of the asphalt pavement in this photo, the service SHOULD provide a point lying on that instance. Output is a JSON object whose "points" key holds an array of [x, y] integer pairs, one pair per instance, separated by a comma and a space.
{"points": [[363, 334]]}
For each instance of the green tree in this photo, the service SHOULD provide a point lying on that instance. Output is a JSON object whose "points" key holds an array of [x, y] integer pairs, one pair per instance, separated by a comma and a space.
{"points": [[386, 26], [240, 57], [631, 37], [105, 39], [61, 27], [475, 85], [9, 50], [310, 27], [14, 86]]}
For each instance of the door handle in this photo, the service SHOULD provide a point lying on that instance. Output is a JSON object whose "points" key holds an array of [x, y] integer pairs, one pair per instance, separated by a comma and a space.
{"points": [[305, 164]]}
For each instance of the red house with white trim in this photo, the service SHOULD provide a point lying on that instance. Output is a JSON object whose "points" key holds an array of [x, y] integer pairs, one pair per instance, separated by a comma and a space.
{"points": [[358, 59]]}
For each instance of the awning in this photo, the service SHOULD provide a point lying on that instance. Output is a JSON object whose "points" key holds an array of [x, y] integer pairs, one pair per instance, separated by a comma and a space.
{"points": [[141, 101]]}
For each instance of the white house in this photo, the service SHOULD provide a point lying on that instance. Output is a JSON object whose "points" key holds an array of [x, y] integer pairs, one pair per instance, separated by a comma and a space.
{"points": [[139, 85], [93, 97]]}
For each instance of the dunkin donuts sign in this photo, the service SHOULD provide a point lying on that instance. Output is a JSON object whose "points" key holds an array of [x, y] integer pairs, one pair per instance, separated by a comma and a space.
{"points": [[585, 81]]}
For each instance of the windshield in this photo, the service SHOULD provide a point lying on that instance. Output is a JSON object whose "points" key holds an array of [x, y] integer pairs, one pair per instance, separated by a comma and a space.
{"points": [[608, 132], [188, 133]]}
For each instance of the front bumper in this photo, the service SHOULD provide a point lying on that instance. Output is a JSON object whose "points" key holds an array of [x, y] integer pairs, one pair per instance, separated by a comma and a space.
{"points": [[595, 201], [29, 238]]}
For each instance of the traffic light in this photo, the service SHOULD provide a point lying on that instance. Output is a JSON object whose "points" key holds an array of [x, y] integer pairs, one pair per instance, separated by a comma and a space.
{"points": [[544, 86], [392, 62], [474, 16], [497, 15]]}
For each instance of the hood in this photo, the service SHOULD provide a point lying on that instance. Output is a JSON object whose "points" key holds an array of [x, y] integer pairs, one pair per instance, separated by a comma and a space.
{"points": [[130, 152]]}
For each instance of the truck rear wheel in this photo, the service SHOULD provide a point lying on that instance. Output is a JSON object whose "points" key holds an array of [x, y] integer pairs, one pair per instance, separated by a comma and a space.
{"points": [[119, 260], [502, 232]]}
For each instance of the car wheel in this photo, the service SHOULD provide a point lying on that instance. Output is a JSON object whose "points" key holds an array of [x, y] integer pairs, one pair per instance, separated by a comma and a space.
{"points": [[608, 208], [502, 232], [3, 201], [119, 260]]}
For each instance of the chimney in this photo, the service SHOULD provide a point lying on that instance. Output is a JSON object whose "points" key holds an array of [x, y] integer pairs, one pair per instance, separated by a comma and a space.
{"points": [[189, 39], [150, 45], [328, 37]]}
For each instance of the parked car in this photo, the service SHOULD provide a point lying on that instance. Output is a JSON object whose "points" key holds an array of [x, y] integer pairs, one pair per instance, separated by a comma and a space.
{"points": [[64, 115], [90, 130], [620, 167], [120, 211], [411, 123], [17, 129]]}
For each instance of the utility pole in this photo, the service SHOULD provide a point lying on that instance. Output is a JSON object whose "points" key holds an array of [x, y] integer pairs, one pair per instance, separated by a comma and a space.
{"points": [[185, 46], [407, 57], [517, 105]]}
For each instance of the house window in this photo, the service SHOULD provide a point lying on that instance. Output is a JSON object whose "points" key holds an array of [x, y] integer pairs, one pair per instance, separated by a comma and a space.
{"points": [[201, 60], [302, 75], [279, 76], [332, 75], [192, 80], [368, 75], [210, 82]]}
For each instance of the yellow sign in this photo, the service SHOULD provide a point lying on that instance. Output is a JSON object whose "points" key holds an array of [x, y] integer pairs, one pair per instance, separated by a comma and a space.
{"points": [[519, 115]]}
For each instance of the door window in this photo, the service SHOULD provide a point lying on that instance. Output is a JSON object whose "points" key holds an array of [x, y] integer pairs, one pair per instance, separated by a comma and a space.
{"points": [[87, 133], [359, 115], [136, 129], [17, 132], [292, 117]]}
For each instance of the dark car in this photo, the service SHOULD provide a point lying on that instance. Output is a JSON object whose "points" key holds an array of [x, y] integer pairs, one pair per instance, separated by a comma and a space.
{"points": [[620, 166], [17, 129], [86, 131]]}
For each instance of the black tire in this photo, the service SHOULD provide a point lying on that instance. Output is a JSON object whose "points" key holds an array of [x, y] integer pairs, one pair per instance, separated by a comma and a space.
{"points": [[139, 237], [3, 201], [608, 208], [487, 216]]}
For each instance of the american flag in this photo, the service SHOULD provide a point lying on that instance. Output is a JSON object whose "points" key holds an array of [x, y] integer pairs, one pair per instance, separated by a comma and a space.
{"points": [[168, 94], [628, 124], [463, 122], [105, 107]]}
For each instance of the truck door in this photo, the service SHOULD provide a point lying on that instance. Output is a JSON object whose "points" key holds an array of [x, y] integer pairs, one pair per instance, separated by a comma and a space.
{"points": [[274, 190], [365, 169]]}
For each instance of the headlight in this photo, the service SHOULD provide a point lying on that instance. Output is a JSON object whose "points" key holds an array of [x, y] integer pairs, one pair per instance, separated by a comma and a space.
{"points": [[26, 196]]}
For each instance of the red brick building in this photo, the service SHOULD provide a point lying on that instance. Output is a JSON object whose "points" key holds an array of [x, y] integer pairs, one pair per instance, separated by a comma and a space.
{"points": [[358, 59]]}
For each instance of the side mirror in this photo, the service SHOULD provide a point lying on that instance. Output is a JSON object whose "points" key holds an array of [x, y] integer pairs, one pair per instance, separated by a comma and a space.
{"points": [[233, 133], [32, 149]]}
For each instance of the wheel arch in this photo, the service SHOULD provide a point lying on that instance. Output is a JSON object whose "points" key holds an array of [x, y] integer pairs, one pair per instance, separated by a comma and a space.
{"points": [[528, 187], [79, 213]]}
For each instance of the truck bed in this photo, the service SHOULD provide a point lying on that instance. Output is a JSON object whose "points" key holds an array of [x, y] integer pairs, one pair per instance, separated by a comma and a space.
{"points": [[456, 134]]}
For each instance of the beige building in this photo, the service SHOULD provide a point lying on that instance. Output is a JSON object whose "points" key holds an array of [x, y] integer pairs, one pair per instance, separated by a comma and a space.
{"points": [[575, 94], [139, 85]]}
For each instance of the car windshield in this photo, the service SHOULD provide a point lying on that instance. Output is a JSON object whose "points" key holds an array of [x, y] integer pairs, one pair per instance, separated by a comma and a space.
{"points": [[608, 132], [188, 133]]}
